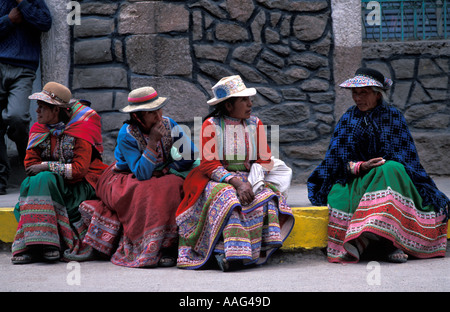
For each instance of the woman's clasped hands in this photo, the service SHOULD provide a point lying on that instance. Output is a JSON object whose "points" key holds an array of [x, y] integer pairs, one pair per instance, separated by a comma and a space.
{"points": [[244, 191]]}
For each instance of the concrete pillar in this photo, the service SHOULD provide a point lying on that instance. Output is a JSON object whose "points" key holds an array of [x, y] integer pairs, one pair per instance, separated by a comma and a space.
{"points": [[55, 59], [347, 31]]}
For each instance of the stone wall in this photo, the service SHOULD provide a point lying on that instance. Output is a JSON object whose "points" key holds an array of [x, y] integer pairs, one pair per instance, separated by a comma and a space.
{"points": [[420, 71], [295, 52], [182, 48]]}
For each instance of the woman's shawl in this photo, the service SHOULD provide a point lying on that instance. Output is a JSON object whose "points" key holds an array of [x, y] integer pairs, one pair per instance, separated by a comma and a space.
{"points": [[84, 123], [359, 137]]}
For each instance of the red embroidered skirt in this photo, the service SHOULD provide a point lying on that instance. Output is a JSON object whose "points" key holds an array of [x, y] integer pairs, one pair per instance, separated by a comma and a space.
{"points": [[134, 220]]}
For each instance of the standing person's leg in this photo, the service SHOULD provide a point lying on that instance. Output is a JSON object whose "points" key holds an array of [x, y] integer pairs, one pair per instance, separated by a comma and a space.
{"points": [[17, 113], [4, 162]]}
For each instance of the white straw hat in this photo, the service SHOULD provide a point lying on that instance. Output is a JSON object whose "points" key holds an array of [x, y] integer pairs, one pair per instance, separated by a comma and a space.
{"points": [[227, 87]]}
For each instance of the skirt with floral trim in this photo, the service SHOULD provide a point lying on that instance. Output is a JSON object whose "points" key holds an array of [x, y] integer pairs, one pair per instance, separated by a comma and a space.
{"points": [[48, 214], [383, 203], [133, 221]]}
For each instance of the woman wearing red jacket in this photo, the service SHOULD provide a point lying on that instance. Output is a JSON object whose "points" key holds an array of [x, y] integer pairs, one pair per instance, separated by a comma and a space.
{"points": [[63, 163]]}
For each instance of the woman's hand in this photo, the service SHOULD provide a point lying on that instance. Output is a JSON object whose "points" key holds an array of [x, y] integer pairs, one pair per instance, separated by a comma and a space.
{"points": [[372, 163], [35, 169], [244, 191], [160, 173], [15, 16], [156, 133]]}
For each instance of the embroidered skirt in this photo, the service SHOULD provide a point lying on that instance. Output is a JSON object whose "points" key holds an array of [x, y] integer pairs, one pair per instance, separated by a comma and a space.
{"points": [[385, 203], [218, 223], [48, 214], [134, 220]]}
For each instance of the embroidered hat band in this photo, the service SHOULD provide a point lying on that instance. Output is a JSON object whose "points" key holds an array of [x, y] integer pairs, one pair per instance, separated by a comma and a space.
{"points": [[367, 77], [54, 93]]}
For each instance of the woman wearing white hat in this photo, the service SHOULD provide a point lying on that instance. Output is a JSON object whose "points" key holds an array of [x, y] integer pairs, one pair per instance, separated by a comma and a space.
{"points": [[221, 215], [378, 193], [134, 220]]}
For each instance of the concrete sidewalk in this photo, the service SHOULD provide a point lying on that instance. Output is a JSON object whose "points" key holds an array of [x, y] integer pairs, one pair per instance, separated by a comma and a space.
{"points": [[297, 195], [282, 277], [310, 229]]}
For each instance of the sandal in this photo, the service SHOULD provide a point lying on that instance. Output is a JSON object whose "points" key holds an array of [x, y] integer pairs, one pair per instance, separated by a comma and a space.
{"points": [[397, 256], [167, 261], [51, 253], [23, 258]]}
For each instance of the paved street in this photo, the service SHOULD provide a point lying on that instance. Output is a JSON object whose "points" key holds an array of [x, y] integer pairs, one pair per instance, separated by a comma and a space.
{"points": [[298, 272], [306, 271]]}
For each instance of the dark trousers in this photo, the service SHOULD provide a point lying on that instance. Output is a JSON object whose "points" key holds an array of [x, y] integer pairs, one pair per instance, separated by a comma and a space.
{"points": [[16, 85]]}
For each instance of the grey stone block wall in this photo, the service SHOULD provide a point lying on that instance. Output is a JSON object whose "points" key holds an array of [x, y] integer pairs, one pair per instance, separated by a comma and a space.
{"points": [[287, 49], [182, 48], [295, 52], [420, 71]]}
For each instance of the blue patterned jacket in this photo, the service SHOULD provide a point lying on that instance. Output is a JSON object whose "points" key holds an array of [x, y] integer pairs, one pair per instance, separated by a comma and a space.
{"points": [[359, 136]]}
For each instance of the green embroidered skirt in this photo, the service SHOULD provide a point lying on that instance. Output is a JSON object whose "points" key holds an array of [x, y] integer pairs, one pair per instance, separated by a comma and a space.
{"points": [[382, 203], [48, 214]]}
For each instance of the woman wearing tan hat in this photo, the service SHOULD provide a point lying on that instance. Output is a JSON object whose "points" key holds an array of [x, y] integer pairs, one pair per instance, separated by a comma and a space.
{"points": [[222, 215], [63, 163], [134, 222], [379, 195]]}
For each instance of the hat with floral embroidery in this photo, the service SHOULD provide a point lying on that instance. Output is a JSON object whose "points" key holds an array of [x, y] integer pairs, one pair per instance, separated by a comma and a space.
{"points": [[231, 86], [367, 77], [54, 93]]}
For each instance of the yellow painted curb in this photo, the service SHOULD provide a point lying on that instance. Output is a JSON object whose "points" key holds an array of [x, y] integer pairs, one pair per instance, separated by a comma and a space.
{"points": [[310, 228], [8, 225]]}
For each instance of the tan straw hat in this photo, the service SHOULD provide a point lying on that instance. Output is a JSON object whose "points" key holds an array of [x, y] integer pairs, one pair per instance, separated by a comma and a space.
{"points": [[144, 99], [227, 87], [54, 93]]}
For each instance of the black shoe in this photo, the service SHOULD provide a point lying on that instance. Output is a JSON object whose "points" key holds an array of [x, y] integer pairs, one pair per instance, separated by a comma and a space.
{"points": [[2, 190], [224, 265]]}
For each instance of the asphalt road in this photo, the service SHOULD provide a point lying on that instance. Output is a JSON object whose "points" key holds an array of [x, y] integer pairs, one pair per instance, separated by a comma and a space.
{"points": [[307, 271], [286, 273]]}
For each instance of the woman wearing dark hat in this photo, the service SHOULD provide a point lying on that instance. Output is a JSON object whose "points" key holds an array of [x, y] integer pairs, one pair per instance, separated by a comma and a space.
{"points": [[63, 163], [223, 216], [380, 197], [134, 222]]}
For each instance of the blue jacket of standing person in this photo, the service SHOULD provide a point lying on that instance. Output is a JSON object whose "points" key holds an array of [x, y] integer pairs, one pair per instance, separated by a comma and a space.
{"points": [[20, 43]]}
